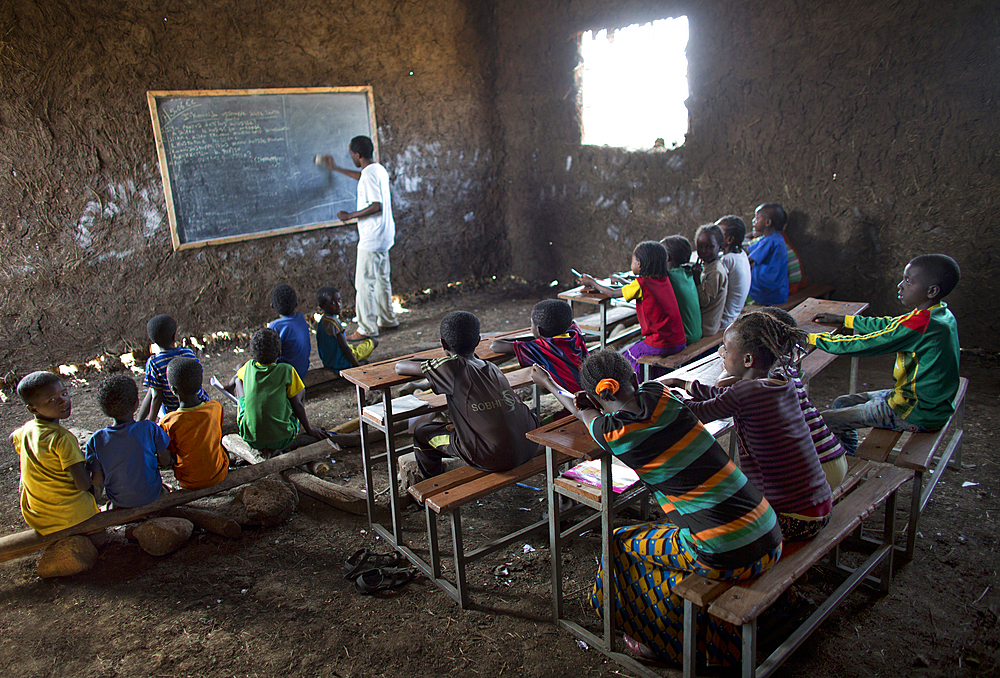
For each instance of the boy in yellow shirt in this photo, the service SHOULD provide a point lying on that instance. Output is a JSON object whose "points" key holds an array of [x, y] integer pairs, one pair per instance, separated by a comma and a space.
{"points": [[54, 477]]}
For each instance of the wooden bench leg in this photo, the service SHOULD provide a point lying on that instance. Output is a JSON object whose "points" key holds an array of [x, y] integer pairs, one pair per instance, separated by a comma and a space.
{"points": [[916, 507], [456, 540], [889, 537]]}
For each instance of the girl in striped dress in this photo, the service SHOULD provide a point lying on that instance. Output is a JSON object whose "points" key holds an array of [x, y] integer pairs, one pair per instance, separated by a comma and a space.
{"points": [[776, 447], [718, 525]]}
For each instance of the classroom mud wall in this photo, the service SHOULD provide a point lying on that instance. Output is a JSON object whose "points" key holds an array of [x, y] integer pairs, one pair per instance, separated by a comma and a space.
{"points": [[873, 122], [85, 257]]}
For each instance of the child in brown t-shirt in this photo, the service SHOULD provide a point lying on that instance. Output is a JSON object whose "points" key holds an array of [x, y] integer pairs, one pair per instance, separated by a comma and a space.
{"points": [[488, 421]]}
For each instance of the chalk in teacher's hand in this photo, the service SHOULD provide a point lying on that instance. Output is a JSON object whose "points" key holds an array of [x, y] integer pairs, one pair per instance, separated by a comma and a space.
{"points": [[319, 160]]}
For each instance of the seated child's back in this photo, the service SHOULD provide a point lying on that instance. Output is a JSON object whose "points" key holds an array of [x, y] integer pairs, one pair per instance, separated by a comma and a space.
{"points": [[769, 256], [558, 345], [195, 430], [54, 479], [162, 331], [737, 266], [488, 421], [685, 290], [128, 453], [296, 345]]}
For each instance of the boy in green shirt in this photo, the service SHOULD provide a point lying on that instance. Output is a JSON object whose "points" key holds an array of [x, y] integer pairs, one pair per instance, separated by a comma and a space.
{"points": [[271, 397], [925, 342]]}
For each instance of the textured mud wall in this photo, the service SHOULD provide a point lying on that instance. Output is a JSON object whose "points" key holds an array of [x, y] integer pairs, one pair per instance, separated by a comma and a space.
{"points": [[872, 122], [85, 257]]}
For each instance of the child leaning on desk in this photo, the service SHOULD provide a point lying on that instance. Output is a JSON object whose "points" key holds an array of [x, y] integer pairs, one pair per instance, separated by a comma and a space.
{"points": [[718, 524], [488, 421], [776, 448], [925, 342], [655, 304], [558, 345]]}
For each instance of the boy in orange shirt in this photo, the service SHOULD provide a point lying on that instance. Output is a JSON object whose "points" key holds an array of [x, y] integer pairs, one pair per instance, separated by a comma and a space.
{"points": [[195, 429]]}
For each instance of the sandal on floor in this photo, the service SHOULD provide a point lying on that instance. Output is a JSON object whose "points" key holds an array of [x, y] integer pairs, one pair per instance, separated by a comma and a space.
{"points": [[384, 579], [362, 561]]}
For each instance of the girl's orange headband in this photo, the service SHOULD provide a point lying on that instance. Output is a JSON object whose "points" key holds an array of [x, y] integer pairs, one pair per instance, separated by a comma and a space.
{"points": [[607, 385]]}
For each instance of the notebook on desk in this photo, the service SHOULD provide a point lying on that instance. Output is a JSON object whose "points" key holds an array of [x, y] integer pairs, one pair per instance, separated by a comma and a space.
{"points": [[400, 406]]}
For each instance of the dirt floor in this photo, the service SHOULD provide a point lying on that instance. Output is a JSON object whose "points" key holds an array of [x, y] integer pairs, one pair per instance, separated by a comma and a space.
{"points": [[275, 601]]}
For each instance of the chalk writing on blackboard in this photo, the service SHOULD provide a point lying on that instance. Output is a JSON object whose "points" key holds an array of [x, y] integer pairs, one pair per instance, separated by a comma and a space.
{"points": [[239, 164]]}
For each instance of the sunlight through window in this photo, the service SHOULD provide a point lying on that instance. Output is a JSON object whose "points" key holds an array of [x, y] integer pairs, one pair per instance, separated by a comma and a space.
{"points": [[634, 84]]}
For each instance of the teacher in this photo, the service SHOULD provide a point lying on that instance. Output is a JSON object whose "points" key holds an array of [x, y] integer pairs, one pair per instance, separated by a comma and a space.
{"points": [[376, 233]]}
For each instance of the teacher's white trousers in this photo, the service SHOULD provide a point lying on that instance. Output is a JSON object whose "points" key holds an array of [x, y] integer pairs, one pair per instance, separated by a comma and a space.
{"points": [[373, 299]]}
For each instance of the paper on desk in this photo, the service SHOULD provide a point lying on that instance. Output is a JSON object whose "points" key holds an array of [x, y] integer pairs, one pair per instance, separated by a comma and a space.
{"points": [[400, 405], [218, 384], [589, 473]]}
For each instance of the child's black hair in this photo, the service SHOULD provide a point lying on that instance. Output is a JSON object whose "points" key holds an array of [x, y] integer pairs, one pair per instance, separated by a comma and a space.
{"points": [[678, 249], [363, 146], [778, 313], [766, 338], [265, 346], [460, 332], [714, 232], [117, 396], [605, 364], [941, 270], [161, 330], [184, 375], [776, 213], [652, 258], [325, 294], [552, 317], [284, 300], [29, 387], [733, 227]]}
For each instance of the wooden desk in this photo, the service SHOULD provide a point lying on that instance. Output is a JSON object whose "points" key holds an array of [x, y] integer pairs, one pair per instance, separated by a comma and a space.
{"points": [[381, 376], [804, 313], [584, 296]]}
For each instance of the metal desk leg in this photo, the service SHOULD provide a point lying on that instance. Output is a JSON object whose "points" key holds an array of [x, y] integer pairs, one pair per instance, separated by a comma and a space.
{"points": [[555, 543], [607, 568], [390, 453], [366, 459], [604, 322]]}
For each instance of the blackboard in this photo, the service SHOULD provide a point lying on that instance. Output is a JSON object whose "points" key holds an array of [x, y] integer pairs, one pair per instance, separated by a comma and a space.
{"points": [[239, 164]]}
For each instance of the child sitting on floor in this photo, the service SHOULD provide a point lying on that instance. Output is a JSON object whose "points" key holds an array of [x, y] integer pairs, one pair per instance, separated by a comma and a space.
{"points": [[768, 257], [832, 455], [125, 457], [159, 399], [681, 275], [711, 276], [655, 304], [925, 342], [718, 524], [292, 328], [331, 344], [195, 430], [54, 476], [558, 345], [776, 447], [271, 397], [488, 421], [737, 266]]}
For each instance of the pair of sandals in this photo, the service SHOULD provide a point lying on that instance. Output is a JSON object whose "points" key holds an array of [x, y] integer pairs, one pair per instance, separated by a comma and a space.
{"points": [[376, 572]]}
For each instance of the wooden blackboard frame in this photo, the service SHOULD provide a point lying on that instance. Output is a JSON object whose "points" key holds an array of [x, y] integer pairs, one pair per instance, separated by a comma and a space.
{"points": [[154, 96]]}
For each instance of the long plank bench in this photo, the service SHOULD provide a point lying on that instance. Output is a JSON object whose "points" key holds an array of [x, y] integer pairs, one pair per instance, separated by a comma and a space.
{"points": [[672, 362], [448, 493], [918, 454], [742, 604]]}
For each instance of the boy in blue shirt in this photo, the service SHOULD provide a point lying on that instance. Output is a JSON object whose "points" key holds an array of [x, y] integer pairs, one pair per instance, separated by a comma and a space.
{"points": [[769, 256], [124, 458], [331, 343], [159, 399], [296, 347]]}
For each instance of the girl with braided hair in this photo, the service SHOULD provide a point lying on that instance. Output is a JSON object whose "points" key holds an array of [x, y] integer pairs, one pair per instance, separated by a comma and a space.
{"points": [[718, 524], [776, 448]]}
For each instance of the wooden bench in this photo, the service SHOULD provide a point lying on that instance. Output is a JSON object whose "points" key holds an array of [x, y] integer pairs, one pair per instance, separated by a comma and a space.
{"points": [[743, 603], [448, 493], [918, 454]]}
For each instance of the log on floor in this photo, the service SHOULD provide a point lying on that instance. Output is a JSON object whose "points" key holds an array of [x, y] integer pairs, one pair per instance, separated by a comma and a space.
{"points": [[23, 543], [210, 521], [345, 498]]}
